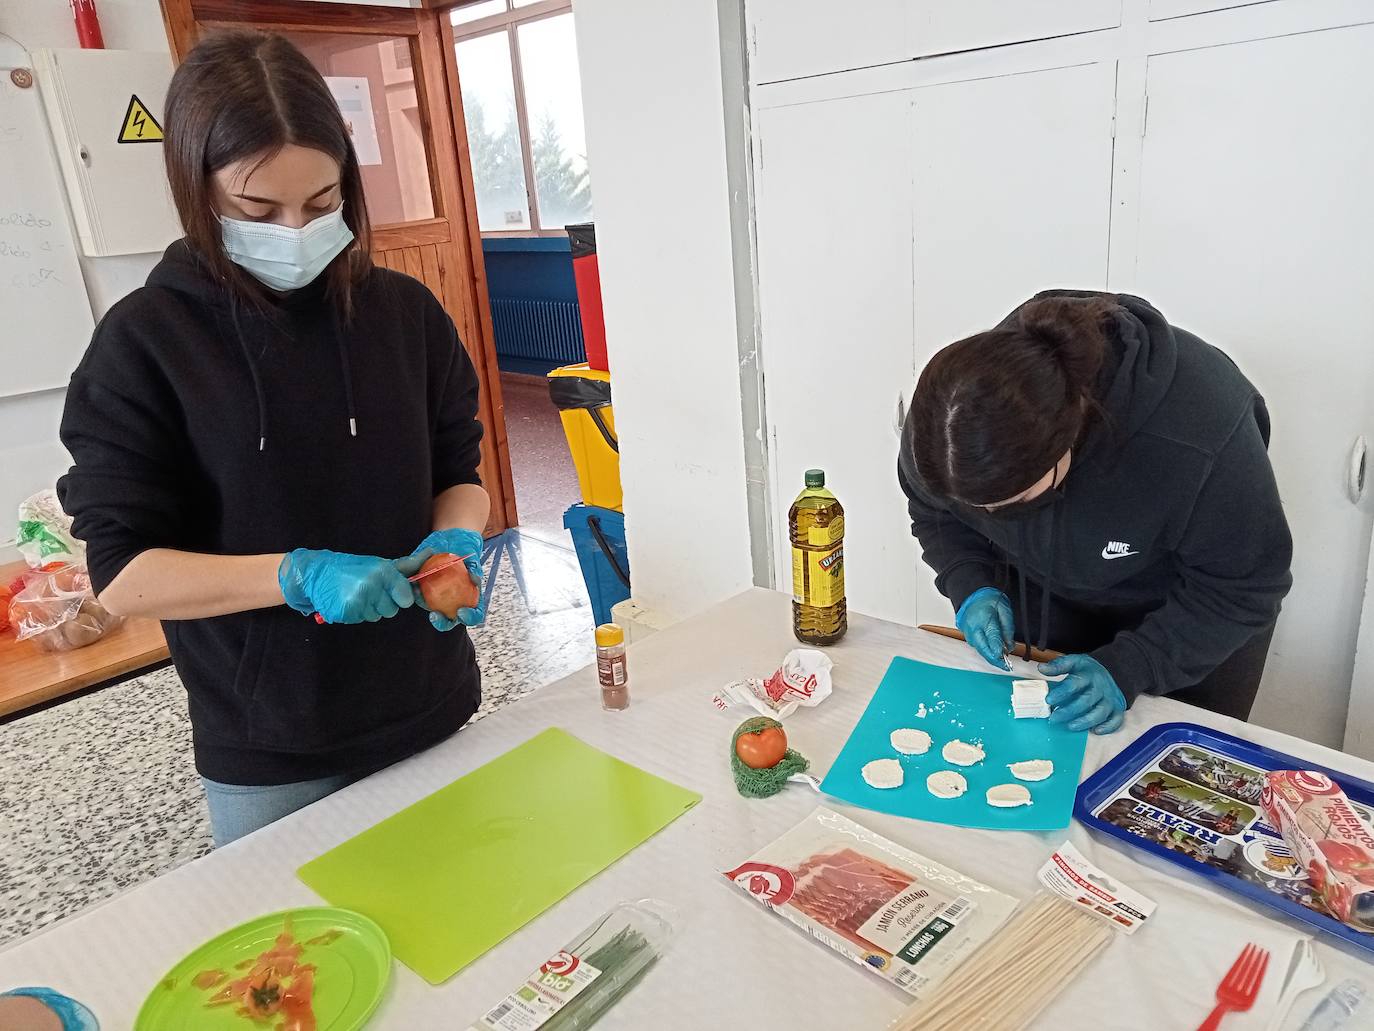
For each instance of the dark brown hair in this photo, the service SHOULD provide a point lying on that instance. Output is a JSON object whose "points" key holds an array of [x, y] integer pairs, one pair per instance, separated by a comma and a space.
{"points": [[242, 94], [995, 411]]}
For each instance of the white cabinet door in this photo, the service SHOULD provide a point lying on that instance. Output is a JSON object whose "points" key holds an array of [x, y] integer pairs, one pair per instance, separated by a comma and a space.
{"points": [[795, 38], [1012, 194], [789, 39], [1254, 221], [1163, 9], [948, 26], [834, 251]]}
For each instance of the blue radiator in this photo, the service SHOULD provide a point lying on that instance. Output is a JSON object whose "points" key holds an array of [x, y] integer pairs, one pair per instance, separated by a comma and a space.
{"points": [[536, 335]]}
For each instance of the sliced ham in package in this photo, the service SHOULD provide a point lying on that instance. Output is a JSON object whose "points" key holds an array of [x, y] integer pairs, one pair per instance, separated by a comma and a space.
{"points": [[803, 679], [907, 918]]}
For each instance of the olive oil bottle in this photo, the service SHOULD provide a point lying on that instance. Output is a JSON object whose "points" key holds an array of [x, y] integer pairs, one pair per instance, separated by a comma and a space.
{"points": [[816, 525]]}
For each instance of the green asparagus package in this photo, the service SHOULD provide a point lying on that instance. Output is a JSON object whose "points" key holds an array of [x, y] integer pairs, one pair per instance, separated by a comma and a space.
{"points": [[582, 981]]}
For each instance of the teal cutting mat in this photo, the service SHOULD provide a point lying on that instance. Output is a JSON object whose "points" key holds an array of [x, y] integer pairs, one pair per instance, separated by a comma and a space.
{"points": [[974, 707], [455, 873]]}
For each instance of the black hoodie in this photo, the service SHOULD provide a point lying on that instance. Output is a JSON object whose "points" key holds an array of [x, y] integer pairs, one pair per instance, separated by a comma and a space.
{"points": [[202, 424], [1170, 516]]}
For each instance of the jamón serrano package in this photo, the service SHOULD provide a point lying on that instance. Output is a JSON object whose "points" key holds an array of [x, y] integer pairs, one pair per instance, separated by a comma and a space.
{"points": [[905, 917]]}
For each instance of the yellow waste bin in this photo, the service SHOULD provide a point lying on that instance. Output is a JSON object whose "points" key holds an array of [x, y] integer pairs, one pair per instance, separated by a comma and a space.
{"points": [[582, 396]]}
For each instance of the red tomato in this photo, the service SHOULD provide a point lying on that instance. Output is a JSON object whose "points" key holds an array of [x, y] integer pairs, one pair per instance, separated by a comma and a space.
{"points": [[449, 590], [763, 749]]}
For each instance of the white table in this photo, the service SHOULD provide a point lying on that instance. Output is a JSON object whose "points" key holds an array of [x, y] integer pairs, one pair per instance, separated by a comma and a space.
{"points": [[733, 964]]}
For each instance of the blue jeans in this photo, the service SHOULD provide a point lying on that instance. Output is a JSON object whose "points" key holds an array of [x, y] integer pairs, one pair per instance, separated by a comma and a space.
{"points": [[237, 810]]}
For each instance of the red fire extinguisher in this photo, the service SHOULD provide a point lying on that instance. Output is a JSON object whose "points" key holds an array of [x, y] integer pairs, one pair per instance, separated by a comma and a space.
{"points": [[87, 25]]}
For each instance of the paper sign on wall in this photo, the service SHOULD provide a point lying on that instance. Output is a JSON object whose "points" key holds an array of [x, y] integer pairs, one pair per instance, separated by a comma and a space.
{"points": [[353, 94]]}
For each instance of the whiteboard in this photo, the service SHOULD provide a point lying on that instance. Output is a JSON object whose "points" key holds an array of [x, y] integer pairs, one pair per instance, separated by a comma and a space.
{"points": [[45, 315]]}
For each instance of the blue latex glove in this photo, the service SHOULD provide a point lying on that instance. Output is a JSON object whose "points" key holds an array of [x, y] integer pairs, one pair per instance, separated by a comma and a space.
{"points": [[1086, 699], [344, 588], [456, 542], [988, 624]]}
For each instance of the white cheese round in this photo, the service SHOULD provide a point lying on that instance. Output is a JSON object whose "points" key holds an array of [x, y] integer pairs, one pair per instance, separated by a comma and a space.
{"points": [[1031, 769], [961, 753], [946, 784], [883, 773], [910, 742], [1009, 796]]}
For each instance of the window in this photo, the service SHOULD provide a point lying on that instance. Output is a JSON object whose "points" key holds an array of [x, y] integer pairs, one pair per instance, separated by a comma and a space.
{"points": [[522, 100]]}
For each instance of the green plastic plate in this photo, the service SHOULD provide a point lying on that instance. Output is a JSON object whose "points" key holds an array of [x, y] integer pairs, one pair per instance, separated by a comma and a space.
{"points": [[350, 977]]}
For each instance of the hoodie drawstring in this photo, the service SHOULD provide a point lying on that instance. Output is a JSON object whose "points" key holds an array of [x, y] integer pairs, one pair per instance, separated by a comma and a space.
{"points": [[1047, 596], [347, 373], [258, 390], [1024, 620], [1046, 588]]}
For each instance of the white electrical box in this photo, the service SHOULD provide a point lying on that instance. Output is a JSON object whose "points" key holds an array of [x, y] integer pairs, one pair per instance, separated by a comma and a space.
{"points": [[105, 108]]}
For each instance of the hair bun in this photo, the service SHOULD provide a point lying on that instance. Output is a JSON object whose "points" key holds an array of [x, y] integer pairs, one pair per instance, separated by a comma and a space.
{"points": [[1074, 330]]}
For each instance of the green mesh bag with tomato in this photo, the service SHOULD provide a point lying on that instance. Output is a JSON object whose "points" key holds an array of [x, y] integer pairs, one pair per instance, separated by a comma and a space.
{"points": [[760, 758]]}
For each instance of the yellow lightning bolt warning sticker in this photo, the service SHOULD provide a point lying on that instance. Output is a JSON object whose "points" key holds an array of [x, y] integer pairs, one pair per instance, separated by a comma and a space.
{"points": [[139, 124]]}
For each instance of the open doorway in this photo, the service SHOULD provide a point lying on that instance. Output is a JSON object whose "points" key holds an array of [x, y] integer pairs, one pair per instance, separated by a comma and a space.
{"points": [[519, 92], [521, 99]]}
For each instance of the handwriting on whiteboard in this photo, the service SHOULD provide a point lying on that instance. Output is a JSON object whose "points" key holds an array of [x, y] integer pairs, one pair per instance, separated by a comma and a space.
{"points": [[45, 313], [24, 243]]}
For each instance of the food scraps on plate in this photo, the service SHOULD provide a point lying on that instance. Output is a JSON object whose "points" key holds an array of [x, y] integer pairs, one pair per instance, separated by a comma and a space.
{"points": [[277, 984]]}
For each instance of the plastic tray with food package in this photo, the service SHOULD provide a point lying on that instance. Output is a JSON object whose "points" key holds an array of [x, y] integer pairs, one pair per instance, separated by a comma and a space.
{"points": [[58, 611]]}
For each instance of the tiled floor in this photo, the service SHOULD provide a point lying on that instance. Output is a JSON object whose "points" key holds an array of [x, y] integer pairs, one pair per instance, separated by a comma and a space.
{"points": [[99, 794]]}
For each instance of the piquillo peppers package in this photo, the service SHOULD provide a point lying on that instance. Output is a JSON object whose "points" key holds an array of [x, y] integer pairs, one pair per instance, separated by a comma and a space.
{"points": [[1329, 839]]}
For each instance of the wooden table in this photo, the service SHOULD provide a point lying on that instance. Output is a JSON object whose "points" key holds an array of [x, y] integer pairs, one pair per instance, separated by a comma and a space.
{"points": [[30, 676]]}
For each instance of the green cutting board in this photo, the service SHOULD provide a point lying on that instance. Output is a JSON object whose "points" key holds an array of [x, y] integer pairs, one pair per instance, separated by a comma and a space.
{"points": [[455, 873]]}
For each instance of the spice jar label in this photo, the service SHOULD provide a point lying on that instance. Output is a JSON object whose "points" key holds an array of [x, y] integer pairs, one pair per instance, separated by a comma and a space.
{"points": [[611, 671]]}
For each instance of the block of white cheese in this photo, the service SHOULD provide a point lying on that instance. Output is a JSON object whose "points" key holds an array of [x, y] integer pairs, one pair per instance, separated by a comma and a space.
{"points": [[1028, 699], [883, 773]]}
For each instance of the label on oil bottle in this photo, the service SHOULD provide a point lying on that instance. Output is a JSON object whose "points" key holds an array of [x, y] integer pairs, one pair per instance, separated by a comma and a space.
{"points": [[818, 576], [824, 536]]}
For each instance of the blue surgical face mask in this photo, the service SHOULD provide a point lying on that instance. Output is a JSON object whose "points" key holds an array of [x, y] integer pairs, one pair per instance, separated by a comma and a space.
{"points": [[281, 257]]}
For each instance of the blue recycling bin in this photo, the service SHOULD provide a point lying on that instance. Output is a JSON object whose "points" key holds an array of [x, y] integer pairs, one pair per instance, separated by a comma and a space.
{"points": [[599, 536]]}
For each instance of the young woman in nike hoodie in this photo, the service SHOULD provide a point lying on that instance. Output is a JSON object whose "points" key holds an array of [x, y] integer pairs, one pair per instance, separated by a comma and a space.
{"points": [[274, 427], [1109, 472]]}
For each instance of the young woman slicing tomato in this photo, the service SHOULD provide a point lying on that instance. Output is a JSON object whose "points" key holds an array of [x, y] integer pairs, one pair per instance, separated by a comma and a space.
{"points": [[274, 427]]}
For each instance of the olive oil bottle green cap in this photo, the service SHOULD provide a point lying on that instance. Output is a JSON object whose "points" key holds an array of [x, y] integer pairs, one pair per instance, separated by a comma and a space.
{"points": [[815, 478]]}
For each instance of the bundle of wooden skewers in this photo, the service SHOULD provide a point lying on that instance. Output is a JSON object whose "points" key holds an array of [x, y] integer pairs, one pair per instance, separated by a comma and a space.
{"points": [[1012, 978]]}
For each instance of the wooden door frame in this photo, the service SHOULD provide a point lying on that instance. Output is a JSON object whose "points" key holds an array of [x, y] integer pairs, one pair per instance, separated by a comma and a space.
{"points": [[454, 194]]}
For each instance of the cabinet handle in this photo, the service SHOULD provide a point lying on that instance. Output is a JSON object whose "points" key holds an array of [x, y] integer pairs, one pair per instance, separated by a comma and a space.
{"points": [[1354, 474]]}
